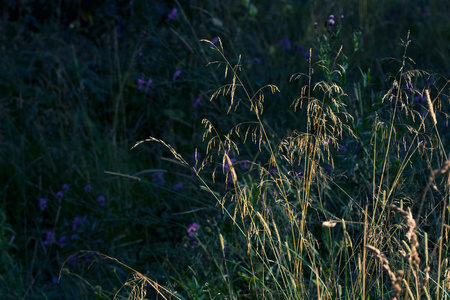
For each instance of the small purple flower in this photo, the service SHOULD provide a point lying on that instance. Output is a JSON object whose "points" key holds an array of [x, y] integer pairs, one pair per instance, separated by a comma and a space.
{"points": [[193, 229], [65, 187], [214, 41], [245, 165], [194, 243], [287, 229], [78, 221], [59, 195], [49, 238], [342, 148], [299, 48], [140, 55], [269, 210], [73, 237], [172, 14], [101, 200], [62, 241], [87, 188], [331, 17], [158, 178], [419, 99], [42, 204], [342, 18], [273, 170], [141, 83], [307, 54], [286, 44], [299, 173], [315, 25], [72, 260], [197, 102], [178, 186], [176, 75], [148, 85], [256, 60], [87, 257], [331, 22]]}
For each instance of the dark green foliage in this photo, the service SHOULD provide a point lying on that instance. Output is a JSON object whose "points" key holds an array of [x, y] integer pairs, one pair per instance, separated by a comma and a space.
{"points": [[76, 95]]}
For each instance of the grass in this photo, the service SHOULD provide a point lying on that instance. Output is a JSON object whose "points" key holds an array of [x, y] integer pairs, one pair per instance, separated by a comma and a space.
{"points": [[224, 150]]}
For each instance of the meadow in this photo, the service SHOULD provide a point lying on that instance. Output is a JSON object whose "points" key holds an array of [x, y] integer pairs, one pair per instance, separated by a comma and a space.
{"points": [[224, 149]]}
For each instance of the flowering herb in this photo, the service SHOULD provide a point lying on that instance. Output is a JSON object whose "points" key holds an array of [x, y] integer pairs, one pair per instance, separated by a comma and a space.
{"points": [[193, 229], [178, 186], [176, 75], [286, 44], [197, 102], [101, 200], [158, 178], [42, 204], [172, 14]]}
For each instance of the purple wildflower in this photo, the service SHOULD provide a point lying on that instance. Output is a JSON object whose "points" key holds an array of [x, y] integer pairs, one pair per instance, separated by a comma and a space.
{"points": [[342, 148], [197, 102], [59, 195], [193, 229], [158, 178], [269, 210], [299, 48], [299, 173], [62, 241], [147, 87], [87, 188], [419, 99], [73, 237], [141, 83], [72, 260], [273, 170], [194, 243], [42, 204], [176, 75], [214, 41], [331, 17], [78, 221], [172, 14], [87, 257], [342, 18], [178, 186], [315, 25], [244, 165], [286, 44], [101, 200], [65, 187], [331, 22], [49, 238]]}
